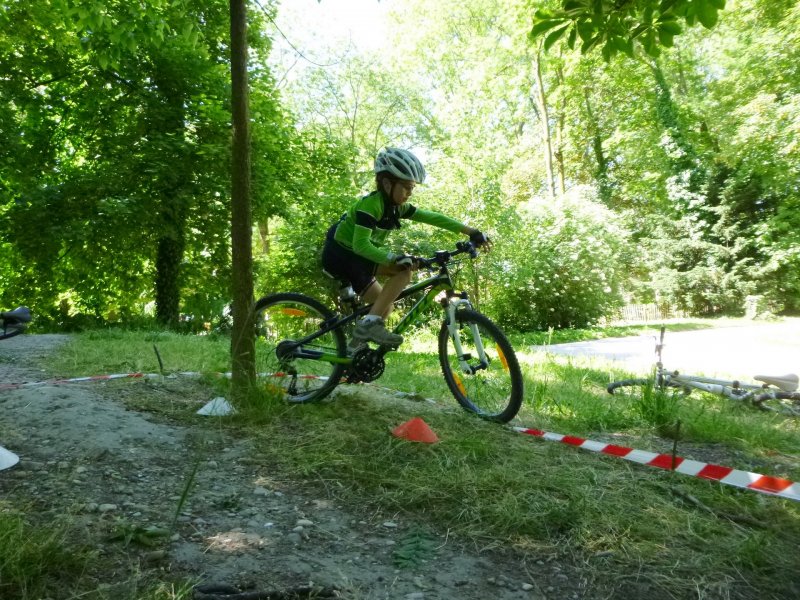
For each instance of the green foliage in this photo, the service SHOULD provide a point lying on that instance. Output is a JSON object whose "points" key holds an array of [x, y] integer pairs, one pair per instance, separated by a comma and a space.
{"points": [[114, 178], [291, 234], [617, 27], [559, 266], [415, 547], [36, 561], [120, 198]]}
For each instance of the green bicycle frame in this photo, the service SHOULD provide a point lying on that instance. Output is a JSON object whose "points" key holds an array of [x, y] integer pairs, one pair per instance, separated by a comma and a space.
{"points": [[437, 284]]}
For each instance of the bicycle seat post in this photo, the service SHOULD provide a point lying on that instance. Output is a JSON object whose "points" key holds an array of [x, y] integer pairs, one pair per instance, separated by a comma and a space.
{"points": [[348, 298]]}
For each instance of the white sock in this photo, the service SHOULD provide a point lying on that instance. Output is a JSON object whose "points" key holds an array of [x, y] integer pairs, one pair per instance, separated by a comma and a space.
{"points": [[370, 319]]}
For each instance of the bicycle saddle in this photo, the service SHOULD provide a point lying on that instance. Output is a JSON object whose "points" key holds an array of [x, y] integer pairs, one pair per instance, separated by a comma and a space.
{"points": [[787, 383]]}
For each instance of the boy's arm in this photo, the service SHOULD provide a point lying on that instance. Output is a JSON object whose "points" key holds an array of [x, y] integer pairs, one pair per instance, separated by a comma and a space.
{"points": [[439, 220], [363, 246], [436, 219]]}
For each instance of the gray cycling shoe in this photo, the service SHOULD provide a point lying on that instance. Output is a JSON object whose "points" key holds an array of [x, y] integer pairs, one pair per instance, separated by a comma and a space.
{"points": [[374, 331]]}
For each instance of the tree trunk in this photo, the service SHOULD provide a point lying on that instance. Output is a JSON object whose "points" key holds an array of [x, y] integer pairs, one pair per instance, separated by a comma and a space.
{"points": [[601, 170], [243, 334], [169, 256], [558, 154], [541, 101], [168, 132], [263, 231]]}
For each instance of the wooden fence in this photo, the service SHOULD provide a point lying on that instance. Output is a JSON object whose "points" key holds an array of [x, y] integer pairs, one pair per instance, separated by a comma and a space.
{"points": [[644, 313]]}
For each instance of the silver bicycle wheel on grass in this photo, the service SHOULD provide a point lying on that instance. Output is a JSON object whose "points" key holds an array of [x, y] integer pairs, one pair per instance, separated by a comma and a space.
{"points": [[624, 383], [491, 388], [785, 403], [618, 387], [281, 319]]}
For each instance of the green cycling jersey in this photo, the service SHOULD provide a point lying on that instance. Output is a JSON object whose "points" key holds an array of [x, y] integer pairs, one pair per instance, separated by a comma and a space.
{"points": [[366, 224]]}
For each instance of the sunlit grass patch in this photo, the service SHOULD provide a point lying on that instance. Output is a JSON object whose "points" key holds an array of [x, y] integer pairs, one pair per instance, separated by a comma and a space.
{"points": [[124, 351]]}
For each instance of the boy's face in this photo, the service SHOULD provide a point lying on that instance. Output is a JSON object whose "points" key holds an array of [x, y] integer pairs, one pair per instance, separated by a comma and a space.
{"points": [[401, 191]]}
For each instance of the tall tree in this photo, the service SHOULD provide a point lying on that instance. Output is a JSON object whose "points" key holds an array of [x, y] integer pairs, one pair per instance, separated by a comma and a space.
{"points": [[243, 335], [118, 188]]}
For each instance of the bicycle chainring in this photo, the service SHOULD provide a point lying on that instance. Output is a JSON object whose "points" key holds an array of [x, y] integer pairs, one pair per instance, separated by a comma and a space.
{"points": [[368, 365]]}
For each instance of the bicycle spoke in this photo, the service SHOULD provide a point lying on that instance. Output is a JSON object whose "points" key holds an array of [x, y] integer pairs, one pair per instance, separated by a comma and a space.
{"points": [[298, 373], [480, 368]]}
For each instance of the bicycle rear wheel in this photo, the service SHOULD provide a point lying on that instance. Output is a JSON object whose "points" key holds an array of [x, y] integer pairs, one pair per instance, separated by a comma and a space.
{"points": [[492, 390], [283, 318], [785, 403]]}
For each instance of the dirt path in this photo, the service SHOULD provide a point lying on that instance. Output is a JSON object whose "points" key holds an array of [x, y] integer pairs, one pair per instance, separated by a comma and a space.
{"points": [[118, 473]]}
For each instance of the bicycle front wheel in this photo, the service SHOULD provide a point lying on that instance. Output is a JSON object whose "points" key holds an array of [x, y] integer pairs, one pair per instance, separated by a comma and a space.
{"points": [[480, 367], [785, 403], [303, 374]]}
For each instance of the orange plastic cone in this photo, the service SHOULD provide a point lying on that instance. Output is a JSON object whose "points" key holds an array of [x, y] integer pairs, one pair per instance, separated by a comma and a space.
{"points": [[416, 430]]}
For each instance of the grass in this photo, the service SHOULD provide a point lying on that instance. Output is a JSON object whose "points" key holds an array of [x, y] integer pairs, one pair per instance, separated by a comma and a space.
{"points": [[43, 560], [35, 560], [631, 531], [565, 336]]}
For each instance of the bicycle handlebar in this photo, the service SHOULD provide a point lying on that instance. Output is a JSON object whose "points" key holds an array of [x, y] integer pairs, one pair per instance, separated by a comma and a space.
{"points": [[442, 257]]}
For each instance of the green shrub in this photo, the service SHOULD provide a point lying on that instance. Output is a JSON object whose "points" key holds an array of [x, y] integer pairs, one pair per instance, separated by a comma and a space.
{"points": [[560, 265]]}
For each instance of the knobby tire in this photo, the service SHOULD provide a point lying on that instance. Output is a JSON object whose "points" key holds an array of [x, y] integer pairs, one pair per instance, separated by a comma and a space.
{"points": [[785, 403], [495, 392], [292, 316]]}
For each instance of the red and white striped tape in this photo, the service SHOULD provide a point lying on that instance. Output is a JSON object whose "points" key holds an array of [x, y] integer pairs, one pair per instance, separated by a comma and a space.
{"points": [[774, 486], [14, 386]]}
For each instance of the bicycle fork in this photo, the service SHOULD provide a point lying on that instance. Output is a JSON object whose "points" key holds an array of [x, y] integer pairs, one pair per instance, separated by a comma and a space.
{"points": [[454, 331]]}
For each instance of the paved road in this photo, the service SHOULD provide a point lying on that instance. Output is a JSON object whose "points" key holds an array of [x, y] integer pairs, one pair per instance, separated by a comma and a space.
{"points": [[740, 351]]}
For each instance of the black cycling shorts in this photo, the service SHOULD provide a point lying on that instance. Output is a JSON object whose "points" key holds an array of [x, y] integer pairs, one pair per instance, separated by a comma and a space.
{"points": [[346, 264]]}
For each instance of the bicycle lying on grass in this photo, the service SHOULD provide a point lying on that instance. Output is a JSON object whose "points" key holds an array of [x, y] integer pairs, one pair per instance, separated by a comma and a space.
{"points": [[14, 322], [773, 393], [301, 347]]}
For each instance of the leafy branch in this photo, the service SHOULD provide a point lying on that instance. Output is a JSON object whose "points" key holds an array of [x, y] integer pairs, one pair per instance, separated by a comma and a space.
{"points": [[620, 25]]}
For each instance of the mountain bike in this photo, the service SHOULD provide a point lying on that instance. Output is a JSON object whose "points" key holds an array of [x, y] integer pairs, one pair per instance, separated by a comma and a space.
{"points": [[301, 344], [14, 322], [777, 393]]}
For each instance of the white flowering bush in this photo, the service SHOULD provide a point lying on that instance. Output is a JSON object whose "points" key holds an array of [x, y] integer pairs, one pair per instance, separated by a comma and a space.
{"points": [[560, 264]]}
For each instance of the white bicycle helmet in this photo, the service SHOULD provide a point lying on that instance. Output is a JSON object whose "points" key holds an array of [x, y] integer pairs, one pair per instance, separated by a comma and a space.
{"points": [[400, 163]]}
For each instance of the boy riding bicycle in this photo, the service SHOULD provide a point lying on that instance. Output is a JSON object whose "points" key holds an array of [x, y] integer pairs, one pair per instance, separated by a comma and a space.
{"points": [[354, 249]]}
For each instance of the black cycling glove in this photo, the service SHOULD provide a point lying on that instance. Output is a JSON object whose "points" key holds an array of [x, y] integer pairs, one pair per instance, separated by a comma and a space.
{"points": [[405, 260], [478, 238]]}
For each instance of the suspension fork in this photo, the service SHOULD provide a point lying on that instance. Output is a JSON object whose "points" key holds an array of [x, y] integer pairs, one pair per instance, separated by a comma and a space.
{"points": [[455, 303]]}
